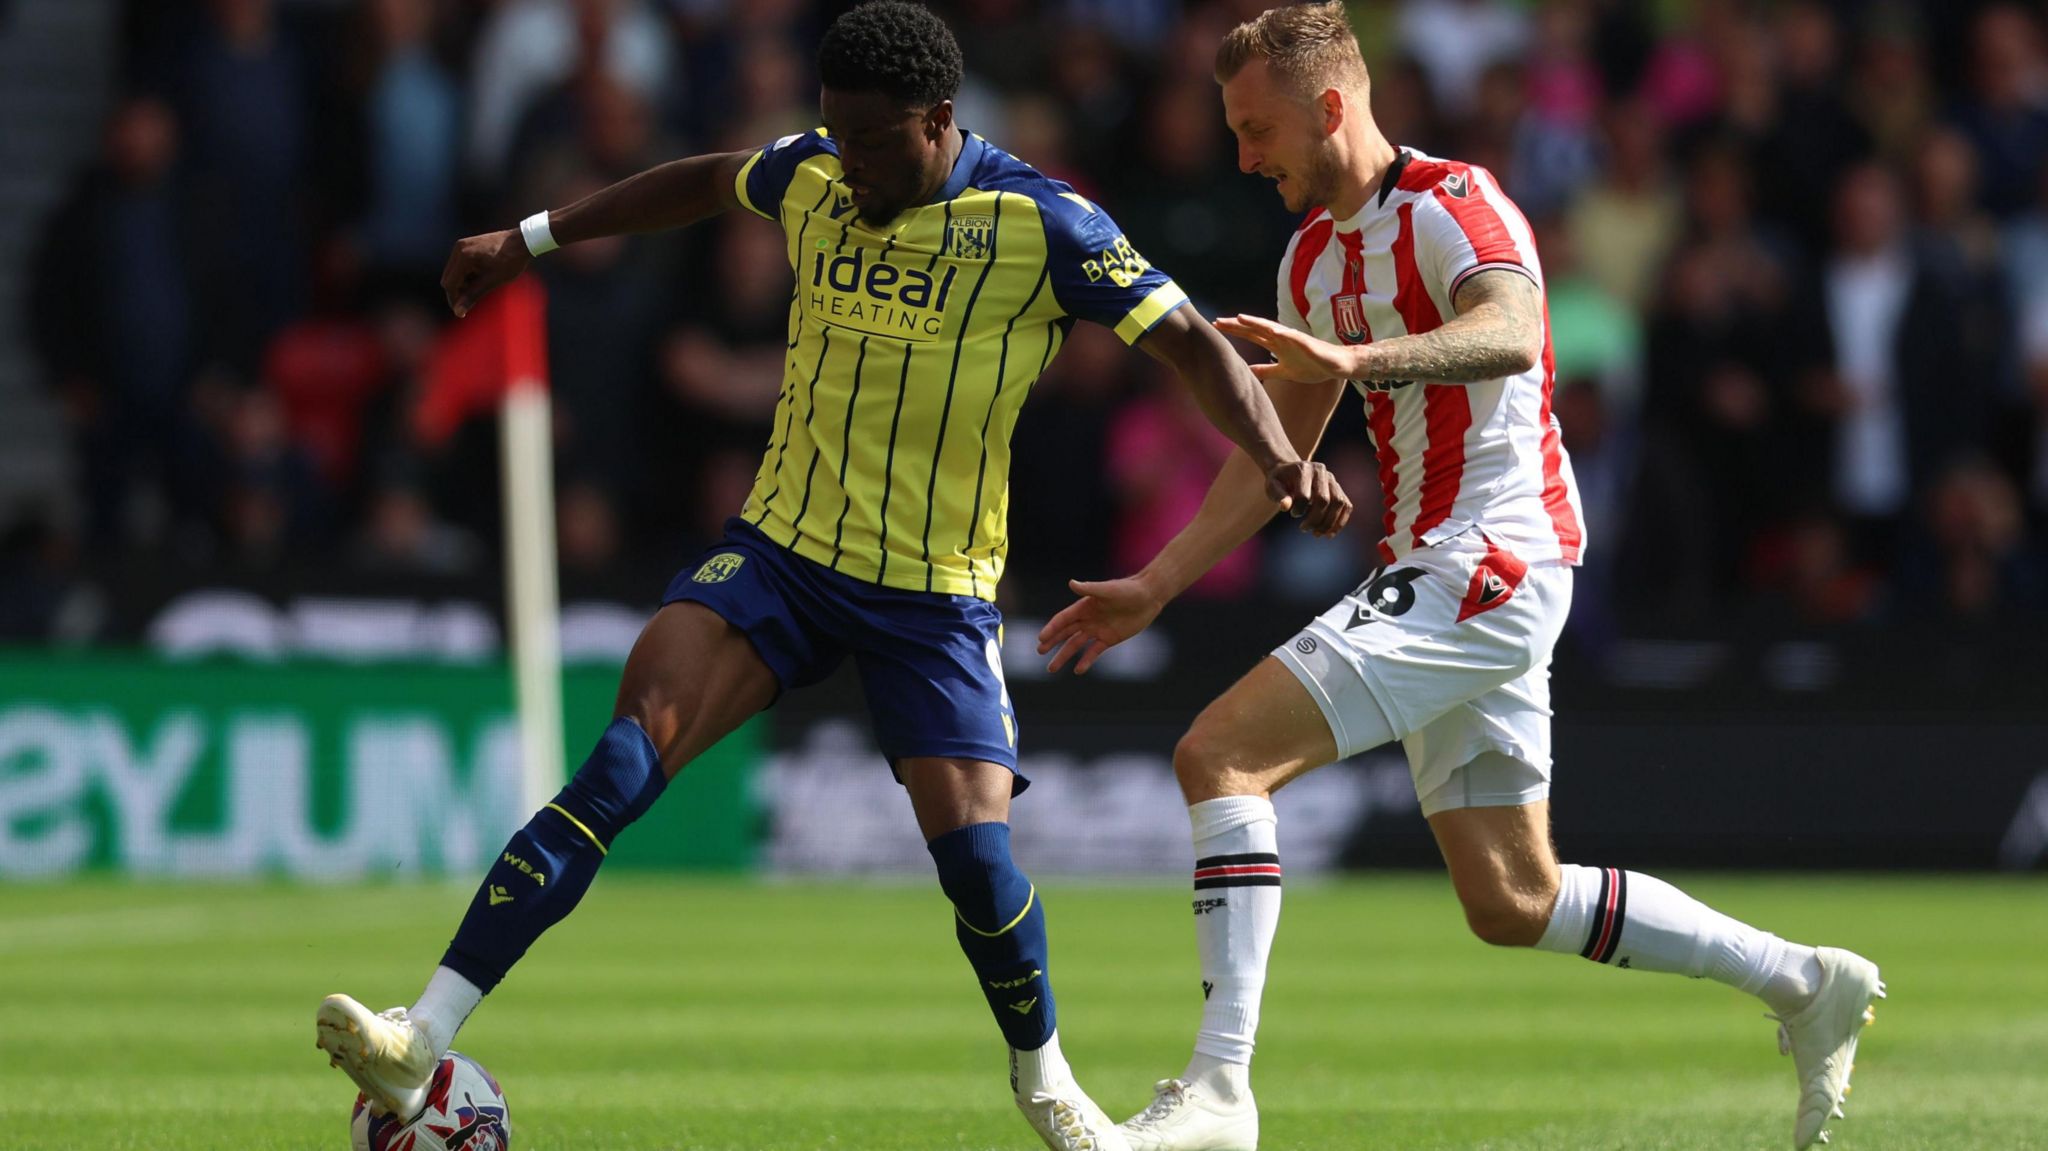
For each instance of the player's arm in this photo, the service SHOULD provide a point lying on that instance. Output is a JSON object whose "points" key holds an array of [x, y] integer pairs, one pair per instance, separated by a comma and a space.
{"points": [[1236, 507], [1497, 332], [1233, 400], [670, 195]]}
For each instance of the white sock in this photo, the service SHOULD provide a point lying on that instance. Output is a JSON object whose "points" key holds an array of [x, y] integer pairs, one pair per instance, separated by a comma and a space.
{"points": [[1629, 919], [1223, 1080], [442, 1008], [1237, 909], [1041, 1070]]}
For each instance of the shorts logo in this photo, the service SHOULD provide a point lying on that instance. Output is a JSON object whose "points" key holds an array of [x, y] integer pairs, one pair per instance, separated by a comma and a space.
{"points": [[970, 237], [719, 568], [1306, 645], [1494, 581], [1388, 593]]}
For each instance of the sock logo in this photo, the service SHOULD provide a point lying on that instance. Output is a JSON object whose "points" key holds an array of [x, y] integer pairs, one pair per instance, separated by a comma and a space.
{"points": [[527, 869], [1207, 987], [1024, 1006], [1205, 906], [1013, 984], [499, 895]]}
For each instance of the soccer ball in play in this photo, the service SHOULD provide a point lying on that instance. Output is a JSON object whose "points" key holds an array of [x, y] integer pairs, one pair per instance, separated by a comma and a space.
{"points": [[465, 1112]]}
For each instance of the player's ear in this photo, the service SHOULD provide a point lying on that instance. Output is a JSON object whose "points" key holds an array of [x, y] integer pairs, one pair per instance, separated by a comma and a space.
{"points": [[1331, 105], [937, 120]]}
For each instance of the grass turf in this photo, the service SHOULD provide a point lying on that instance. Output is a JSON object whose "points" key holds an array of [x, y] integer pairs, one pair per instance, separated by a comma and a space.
{"points": [[759, 1017]]}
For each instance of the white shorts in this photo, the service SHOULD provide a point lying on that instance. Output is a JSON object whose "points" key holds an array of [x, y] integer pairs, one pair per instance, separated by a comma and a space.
{"points": [[1452, 643]]}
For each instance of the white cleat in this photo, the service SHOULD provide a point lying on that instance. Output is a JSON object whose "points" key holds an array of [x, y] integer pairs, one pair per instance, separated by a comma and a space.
{"points": [[1070, 1121], [1821, 1039], [1184, 1117], [385, 1054]]}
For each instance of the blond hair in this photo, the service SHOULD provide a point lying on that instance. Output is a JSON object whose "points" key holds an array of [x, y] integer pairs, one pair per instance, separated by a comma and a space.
{"points": [[1308, 47]]}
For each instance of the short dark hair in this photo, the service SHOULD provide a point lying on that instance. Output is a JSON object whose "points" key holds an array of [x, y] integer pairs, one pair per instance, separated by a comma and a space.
{"points": [[1308, 47], [896, 48]]}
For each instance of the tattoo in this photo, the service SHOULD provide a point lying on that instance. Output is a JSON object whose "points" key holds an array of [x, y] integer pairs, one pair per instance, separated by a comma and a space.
{"points": [[1497, 332]]}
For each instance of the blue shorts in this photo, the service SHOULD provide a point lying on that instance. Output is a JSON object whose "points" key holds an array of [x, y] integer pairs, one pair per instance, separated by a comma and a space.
{"points": [[930, 663]]}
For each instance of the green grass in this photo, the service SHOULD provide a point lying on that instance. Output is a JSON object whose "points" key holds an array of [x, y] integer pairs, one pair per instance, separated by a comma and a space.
{"points": [[672, 1015]]}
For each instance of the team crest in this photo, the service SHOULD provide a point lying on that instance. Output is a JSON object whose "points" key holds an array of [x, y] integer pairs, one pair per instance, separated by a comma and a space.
{"points": [[719, 568], [1349, 312], [970, 237]]}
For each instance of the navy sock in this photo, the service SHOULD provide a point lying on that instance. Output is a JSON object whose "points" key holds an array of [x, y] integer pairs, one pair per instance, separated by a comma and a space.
{"points": [[1001, 924], [548, 864]]}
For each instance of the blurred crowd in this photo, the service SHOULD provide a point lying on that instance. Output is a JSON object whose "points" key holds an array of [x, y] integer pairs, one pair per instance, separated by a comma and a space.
{"points": [[1797, 257]]}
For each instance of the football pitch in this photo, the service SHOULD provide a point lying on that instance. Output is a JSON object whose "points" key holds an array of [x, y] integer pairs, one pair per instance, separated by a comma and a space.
{"points": [[750, 1016]]}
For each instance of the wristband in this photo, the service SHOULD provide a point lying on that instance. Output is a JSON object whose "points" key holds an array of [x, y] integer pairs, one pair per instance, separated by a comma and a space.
{"points": [[540, 239]]}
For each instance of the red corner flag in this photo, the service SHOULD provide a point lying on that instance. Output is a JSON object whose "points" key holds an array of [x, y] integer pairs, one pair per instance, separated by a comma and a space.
{"points": [[502, 344]]}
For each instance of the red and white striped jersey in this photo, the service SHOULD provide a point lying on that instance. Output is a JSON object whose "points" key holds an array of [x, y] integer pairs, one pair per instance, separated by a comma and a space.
{"points": [[1451, 456]]}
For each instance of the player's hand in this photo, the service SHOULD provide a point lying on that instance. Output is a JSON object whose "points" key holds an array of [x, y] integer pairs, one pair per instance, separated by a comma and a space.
{"points": [[1310, 494], [480, 265], [1107, 614], [1296, 355]]}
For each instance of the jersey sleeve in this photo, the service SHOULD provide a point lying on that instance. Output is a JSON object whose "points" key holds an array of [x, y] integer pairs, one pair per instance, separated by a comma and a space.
{"points": [[1465, 225], [1095, 272], [766, 175]]}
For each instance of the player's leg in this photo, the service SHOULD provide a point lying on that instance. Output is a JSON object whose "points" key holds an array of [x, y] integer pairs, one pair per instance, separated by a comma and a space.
{"points": [[1278, 722], [691, 679], [1516, 894], [931, 667]]}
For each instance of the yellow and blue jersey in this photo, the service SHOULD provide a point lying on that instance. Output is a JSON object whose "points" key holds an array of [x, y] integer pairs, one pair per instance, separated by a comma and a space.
{"points": [[912, 346]]}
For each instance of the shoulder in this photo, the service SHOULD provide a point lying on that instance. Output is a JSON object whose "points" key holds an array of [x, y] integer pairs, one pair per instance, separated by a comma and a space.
{"points": [[1064, 212], [1448, 178], [800, 146]]}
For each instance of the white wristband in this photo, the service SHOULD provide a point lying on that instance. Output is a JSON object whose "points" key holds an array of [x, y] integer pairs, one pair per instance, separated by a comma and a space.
{"points": [[540, 239]]}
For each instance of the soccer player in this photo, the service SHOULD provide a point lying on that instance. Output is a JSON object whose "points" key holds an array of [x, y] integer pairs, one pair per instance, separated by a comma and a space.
{"points": [[1415, 281], [935, 278]]}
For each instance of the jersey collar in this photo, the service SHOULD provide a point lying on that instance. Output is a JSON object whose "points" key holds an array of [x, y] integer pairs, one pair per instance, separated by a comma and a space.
{"points": [[1393, 174], [971, 149]]}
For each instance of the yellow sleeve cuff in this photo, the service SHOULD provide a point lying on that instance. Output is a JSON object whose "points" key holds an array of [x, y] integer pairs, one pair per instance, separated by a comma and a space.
{"points": [[740, 185], [1152, 309]]}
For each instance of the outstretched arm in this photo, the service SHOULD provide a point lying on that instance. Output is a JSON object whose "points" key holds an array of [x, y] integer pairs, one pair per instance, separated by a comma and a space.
{"points": [[1233, 400], [1112, 611], [667, 196], [1497, 332]]}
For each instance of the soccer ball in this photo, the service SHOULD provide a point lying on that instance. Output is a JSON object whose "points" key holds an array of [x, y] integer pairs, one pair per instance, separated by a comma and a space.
{"points": [[465, 1112]]}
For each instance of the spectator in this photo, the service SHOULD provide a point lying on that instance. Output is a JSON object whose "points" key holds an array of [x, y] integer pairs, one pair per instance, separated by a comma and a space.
{"points": [[1455, 41], [528, 46], [1623, 225], [2006, 114], [413, 107], [1903, 384], [112, 312], [243, 99]]}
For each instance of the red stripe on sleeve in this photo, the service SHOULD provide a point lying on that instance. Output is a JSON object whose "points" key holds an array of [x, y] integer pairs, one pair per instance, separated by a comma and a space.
{"points": [[1488, 234]]}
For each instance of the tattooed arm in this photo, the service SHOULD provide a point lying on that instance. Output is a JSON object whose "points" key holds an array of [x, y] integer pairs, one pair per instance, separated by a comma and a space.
{"points": [[1497, 332]]}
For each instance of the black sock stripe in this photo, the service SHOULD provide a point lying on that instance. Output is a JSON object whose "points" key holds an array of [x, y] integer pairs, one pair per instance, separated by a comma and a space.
{"points": [[1234, 860], [1238, 881], [1620, 916], [1599, 917]]}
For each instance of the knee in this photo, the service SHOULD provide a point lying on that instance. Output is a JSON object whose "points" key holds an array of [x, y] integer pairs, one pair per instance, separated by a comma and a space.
{"points": [[1505, 917], [1202, 765], [976, 870]]}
